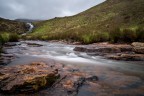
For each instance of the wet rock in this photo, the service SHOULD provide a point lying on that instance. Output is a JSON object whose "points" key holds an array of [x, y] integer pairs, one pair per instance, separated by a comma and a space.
{"points": [[138, 47], [92, 78], [127, 57], [76, 43], [27, 78], [34, 45], [9, 44], [104, 49], [6, 58], [115, 51]]}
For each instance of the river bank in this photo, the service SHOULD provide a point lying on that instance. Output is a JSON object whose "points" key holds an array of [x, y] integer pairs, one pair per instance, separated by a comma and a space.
{"points": [[114, 77]]}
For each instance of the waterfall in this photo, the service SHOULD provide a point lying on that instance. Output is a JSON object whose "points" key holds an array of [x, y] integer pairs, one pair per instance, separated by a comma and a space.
{"points": [[31, 26]]}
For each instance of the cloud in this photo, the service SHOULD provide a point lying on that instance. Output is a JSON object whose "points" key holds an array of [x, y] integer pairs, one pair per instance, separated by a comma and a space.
{"points": [[43, 9]]}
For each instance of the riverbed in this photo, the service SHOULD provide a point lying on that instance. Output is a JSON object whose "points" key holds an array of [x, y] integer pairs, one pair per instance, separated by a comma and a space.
{"points": [[116, 78]]}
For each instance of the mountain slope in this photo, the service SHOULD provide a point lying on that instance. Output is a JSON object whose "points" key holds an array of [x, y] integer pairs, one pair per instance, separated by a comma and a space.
{"points": [[94, 24], [12, 26]]}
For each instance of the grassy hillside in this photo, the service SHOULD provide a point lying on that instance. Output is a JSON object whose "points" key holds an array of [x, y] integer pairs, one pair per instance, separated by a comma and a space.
{"points": [[112, 20], [12, 26], [10, 29]]}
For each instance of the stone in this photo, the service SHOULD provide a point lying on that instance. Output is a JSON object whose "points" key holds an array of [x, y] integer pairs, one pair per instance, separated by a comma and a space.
{"points": [[92, 78], [34, 45], [127, 57], [138, 47], [27, 78]]}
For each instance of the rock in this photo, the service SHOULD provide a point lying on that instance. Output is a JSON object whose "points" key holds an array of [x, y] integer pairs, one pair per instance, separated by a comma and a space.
{"points": [[6, 58], [127, 57], [59, 79], [80, 49], [92, 78], [76, 43], [27, 78], [9, 44], [138, 47], [34, 45], [101, 51]]}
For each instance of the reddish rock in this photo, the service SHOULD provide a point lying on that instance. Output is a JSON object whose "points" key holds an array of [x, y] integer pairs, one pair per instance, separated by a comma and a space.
{"points": [[127, 57], [138, 47], [27, 78]]}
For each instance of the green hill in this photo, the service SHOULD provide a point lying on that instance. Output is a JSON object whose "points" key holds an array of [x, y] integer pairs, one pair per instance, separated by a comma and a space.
{"points": [[10, 29], [12, 26], [112, 20]]}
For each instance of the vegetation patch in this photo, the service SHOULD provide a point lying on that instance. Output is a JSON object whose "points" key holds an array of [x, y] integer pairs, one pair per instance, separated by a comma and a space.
{"points": [[112, 20]]}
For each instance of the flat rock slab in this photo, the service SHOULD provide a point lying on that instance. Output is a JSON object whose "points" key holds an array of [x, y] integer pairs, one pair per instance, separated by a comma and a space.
{"points": [[138, 47], [27, 78], [57, 79]]}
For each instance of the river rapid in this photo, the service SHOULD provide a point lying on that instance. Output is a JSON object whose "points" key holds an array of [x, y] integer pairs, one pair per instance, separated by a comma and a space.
{"points": [[120, 78]]}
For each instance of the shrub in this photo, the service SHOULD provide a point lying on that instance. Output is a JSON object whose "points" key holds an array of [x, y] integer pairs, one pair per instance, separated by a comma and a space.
{"points": [[5, 37], [13, 37], [128, 35], [102, 37], [8, 37], [87, 38], [115, 35], [140, 34]]}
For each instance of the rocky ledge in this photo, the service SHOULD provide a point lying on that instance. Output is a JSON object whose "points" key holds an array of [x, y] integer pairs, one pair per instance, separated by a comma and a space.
{"points": [[27, 78], [133, 52], [57, 78]]}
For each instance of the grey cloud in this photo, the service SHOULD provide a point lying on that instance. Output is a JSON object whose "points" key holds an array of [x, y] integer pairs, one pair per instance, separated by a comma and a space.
{"points": [[43, 9]]}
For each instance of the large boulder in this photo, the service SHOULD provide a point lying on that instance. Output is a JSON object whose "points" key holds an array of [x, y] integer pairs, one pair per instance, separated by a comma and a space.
{"points": [[138, 47], [27, 78]]}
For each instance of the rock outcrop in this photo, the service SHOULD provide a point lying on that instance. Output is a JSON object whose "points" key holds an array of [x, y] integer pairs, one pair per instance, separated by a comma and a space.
{"points": [[58, 79], [138, 47], [27, 78], [115, 51]]}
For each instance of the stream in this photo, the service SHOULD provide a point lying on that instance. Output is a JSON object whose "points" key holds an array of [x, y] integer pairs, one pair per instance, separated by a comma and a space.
{"points": [[122, 77]]}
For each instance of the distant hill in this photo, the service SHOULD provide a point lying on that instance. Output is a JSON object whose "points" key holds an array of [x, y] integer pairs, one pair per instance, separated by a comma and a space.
{"points": [[7, 25], [112, 20]]}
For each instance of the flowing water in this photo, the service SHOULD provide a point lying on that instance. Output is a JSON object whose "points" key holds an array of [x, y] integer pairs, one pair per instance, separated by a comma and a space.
{"points": [[119, 76], [31, 26]]}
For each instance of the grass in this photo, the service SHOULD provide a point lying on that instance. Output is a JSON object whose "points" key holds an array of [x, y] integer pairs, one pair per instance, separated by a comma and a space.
{"points": [[8, 37], [12, 26], [9, 30], [99, 23]]}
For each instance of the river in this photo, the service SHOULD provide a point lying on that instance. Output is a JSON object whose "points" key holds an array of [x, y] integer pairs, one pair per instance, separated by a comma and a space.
{"points": [[123, 78]]}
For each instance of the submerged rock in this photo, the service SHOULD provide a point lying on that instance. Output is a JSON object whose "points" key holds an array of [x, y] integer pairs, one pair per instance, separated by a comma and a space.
{"points": [[6, 58], [34, 45], [27, 78]]}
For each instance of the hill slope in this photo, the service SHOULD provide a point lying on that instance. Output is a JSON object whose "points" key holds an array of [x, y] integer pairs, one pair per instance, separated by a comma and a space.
{"points": [[12, 26], [97, 24], [9, 30]]}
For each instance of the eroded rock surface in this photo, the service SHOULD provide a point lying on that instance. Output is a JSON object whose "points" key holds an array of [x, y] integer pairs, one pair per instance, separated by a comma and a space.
{"points": [[27, 78], [58, 79], [138, 47]]}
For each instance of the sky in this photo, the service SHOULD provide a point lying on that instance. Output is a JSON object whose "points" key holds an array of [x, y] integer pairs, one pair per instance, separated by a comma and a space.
{"points": [[43, 9]]}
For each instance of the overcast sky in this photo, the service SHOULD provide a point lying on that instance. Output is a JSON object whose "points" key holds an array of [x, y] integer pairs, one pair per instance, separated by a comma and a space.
{"points": [[43, 9]]}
